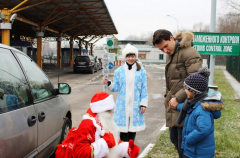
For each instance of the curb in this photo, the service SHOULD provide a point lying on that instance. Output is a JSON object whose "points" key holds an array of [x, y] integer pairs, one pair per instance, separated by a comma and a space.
{"points": [[150, 146], [146, 150], [163, 128], [234, 83]]}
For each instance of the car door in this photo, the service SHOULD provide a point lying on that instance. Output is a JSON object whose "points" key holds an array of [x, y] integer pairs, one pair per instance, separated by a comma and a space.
{"points": [[50, 109], [18, 127], [93, 62]]}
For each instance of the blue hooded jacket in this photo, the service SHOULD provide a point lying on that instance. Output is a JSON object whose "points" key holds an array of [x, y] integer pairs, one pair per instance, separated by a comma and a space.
{"points": [[198, 130]]}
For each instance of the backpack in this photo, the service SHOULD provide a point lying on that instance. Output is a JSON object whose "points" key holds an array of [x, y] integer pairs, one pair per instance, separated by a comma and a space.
{"points": [[65, 149], [213, 101]]}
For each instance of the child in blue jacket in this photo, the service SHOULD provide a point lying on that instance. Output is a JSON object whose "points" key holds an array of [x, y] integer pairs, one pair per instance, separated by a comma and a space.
{"points": [[198, 130]]}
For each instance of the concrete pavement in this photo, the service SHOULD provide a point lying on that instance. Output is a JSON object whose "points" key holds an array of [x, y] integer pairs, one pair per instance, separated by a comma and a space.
{"points": [[85, 84], [234, 83]]}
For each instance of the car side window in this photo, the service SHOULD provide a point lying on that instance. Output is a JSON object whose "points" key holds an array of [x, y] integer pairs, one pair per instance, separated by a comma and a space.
{"points": [[40, 85], [13, 86], [91, 58]]}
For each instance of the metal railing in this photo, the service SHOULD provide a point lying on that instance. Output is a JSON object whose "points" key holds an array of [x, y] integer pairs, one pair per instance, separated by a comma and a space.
{"points": [[233, 66]]}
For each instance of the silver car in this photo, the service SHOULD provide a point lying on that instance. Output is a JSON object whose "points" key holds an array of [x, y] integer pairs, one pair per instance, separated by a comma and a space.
{"points": [[34, 116]]}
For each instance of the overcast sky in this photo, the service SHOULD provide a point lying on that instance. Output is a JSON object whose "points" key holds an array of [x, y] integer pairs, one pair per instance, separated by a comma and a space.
{"points": [[135, 17]]}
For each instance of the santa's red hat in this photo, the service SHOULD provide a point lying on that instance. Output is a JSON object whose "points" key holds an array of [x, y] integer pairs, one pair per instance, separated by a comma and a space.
{"points": [[101, 102]]}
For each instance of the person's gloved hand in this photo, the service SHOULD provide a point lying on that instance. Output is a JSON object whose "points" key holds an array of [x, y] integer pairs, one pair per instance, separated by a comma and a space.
{"points": [[133, 149], [109, 138]]}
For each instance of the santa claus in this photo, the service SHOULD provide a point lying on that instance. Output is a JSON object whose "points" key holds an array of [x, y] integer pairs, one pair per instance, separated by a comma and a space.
{"points": [[97, 136]]}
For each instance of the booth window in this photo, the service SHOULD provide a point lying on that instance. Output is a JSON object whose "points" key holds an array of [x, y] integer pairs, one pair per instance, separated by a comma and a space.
{"points": [[160, 56]]}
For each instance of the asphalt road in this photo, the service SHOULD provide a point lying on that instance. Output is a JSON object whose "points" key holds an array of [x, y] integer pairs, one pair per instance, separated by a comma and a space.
{"points": [[85, 85]]}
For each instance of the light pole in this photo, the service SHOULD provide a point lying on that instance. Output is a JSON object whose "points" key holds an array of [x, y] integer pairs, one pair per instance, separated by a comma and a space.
{"points": [[176, 20]]}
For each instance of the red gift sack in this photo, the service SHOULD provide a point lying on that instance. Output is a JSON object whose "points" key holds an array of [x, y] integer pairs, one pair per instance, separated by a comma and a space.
{"points": [[65, 149]]}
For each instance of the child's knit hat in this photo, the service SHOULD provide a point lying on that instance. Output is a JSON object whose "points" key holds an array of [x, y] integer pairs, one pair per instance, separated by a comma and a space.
{"points": [[198, 82]]}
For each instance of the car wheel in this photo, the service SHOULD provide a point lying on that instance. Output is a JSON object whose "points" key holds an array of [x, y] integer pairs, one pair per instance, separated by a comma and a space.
{"points": [[66, 127], [92, 70], [74, 71]]}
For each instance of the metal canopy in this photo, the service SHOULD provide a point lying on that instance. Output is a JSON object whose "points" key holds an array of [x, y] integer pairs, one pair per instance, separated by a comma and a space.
{"points": [[71, 18]]}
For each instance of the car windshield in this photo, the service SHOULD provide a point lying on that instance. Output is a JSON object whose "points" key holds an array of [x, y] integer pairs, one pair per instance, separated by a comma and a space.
{"points": [[82, 58]]}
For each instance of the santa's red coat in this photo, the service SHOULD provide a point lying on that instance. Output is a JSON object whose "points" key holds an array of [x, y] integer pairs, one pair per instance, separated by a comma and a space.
{"points": [[88, 141]]}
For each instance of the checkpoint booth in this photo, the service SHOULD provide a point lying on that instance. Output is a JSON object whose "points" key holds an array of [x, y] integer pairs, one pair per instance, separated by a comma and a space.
{"points": [[20, 45], [66, 55], [51, 58]]}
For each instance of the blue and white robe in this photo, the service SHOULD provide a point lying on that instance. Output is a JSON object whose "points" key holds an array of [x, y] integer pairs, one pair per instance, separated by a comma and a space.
{"points": [[131, 86]]}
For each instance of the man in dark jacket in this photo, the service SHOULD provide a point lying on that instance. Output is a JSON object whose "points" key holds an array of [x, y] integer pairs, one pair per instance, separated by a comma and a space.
{"points": [[182, 61]]}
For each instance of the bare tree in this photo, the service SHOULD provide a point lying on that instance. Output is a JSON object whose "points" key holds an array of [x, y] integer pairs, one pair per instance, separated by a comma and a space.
{"points": [[233, 4], [200, 27], [46, 48], [229, 23], [143, 37], [132, 37]]}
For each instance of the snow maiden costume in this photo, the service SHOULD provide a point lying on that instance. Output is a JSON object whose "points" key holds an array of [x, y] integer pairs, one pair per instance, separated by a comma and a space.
{"points": [[131, 86]]}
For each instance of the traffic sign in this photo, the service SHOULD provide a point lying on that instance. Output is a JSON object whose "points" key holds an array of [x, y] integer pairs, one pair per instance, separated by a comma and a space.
{"points": [[111, 56], [110, 65], [109, 43], [216, 43]]}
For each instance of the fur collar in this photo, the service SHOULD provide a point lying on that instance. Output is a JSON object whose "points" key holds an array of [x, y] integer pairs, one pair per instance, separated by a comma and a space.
{"points": [[185, 39], [213, 106]]}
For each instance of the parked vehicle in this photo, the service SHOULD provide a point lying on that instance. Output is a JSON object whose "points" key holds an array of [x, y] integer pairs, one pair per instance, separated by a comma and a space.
{"points": [[85, 63], [34, 116], [101, 63], [98, 63], [54, 57], [46, 57]]}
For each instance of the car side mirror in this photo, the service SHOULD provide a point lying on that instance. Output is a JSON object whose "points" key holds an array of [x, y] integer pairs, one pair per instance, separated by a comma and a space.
{"points": [[64, 88], [55, 91]]}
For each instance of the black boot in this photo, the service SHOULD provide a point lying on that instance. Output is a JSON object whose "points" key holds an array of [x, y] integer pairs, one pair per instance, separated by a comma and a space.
{"points": [[131, 135], [124, 136]]}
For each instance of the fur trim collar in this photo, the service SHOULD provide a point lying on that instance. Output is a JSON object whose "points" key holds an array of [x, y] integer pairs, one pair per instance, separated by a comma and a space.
{"points": [[213, 106], [185, 39]]}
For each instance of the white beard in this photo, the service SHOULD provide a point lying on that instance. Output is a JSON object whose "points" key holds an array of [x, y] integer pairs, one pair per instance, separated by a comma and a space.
{"points": [[108, 124]]}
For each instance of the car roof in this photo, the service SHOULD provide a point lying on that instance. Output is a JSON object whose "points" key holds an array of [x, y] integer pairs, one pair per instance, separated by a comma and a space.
{"points": [[9, 47]]}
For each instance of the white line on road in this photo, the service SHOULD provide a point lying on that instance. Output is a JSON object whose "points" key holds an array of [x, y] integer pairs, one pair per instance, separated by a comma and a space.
{"points": [[89, 81], [76, 87], [146, 150]]}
